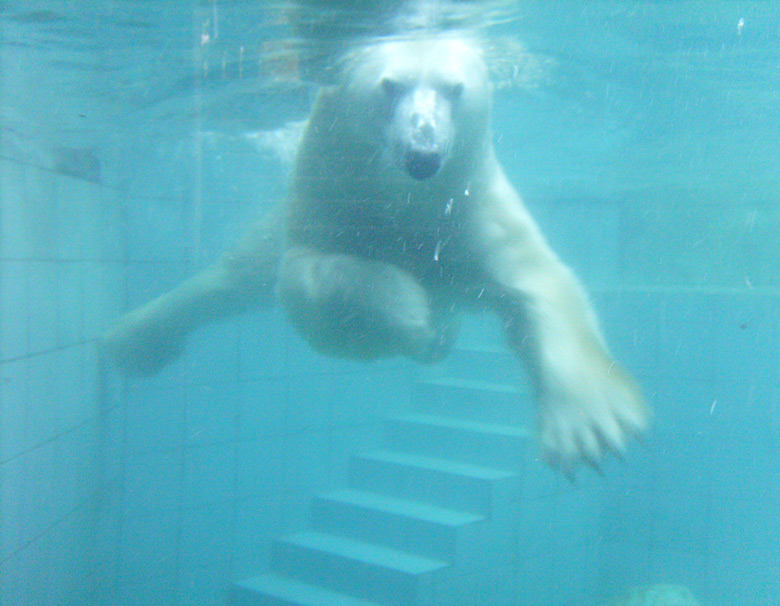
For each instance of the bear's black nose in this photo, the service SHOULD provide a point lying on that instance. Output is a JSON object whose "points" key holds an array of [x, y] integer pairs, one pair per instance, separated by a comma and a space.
{"points": [[422, 165]]}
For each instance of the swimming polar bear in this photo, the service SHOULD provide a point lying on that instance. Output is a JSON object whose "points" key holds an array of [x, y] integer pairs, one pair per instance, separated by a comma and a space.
{"points": [[398, 218]]}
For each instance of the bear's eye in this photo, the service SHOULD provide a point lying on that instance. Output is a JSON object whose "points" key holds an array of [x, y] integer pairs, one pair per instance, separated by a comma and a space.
{"points": [[453, 91], [392, 88]]}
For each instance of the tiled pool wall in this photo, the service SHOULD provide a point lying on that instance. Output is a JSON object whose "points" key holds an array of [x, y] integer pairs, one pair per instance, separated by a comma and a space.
{"points": [[148, 490], [61, 277]]}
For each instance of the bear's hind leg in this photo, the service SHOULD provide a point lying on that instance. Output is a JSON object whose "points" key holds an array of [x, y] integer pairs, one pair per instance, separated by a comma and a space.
{"points": [[358, 308]]}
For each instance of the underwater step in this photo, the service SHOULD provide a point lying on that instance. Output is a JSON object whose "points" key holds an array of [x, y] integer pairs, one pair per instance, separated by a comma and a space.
{"points": [[495, 445], [274, 590], [430, 480], [474, 400], [414, 527], [356, 568]]}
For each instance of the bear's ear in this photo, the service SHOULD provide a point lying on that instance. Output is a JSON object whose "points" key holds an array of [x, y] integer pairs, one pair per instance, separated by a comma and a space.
{"points": [[392, 88], [453, 90]]}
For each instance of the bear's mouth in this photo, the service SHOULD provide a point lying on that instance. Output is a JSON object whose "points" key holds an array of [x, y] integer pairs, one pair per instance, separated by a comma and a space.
{"points": [[422, 165]]}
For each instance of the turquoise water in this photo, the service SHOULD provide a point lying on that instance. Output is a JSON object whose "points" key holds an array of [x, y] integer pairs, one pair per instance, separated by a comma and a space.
{"points": [[643, 137]]}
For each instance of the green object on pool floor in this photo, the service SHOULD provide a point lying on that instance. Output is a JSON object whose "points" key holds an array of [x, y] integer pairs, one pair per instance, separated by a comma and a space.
{"points": [[656, 595]]}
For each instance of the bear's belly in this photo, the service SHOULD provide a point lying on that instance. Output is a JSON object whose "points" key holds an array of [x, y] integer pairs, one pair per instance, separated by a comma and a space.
{"points": [[427, 245]]}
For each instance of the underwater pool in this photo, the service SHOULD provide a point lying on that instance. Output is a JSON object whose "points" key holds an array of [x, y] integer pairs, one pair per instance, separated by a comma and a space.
{"points": [[139, 141]]}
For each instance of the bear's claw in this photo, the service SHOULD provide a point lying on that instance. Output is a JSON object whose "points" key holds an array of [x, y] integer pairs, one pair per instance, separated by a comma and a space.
{"points": [[576, 430]]}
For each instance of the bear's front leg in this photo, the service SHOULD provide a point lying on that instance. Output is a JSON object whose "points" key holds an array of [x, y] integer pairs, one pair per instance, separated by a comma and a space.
{"points": [[588, 405], [144, 340], [358, 308]]}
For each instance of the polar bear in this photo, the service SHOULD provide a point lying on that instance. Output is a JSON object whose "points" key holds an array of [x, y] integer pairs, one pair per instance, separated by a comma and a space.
{"points": [[399, 217]]}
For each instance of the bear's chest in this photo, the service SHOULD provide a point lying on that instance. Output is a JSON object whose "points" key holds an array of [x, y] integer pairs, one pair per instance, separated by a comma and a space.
{"points": [[426, 241]]}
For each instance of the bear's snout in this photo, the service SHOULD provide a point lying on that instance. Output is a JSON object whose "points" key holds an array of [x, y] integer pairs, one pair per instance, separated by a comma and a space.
{"points": [[420, 131]]}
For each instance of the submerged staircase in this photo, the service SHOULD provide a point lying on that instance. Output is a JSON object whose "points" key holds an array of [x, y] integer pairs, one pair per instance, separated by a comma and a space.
{"points": [[429, 519]]}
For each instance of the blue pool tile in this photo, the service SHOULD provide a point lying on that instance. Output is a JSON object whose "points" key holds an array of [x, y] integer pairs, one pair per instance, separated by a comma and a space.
{"points": [[212, 353], [686, 336], [209, 474], [630, 322], [204, 584], [153, 480], [149, 545], [746, 339], [211, 414], [262, 409], [206, 534], [262, 339], [309, 403], [260, 466], [154, 419], [308, 464]]}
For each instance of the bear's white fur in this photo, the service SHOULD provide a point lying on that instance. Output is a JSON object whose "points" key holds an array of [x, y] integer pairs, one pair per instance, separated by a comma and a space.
{"points": [[399, 217]]}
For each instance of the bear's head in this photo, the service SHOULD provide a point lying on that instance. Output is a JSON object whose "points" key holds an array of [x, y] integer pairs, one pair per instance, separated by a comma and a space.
{"points": [[428, 101]]}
